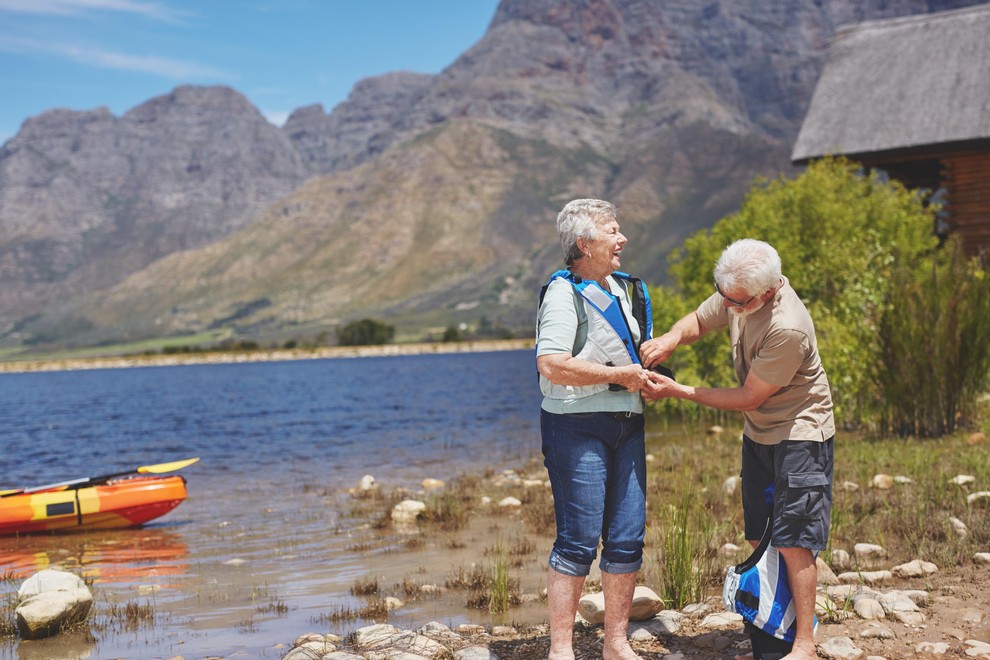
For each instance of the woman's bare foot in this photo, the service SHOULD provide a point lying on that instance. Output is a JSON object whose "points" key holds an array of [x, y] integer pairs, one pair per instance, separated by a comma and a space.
{"points": [[561, 654], [619, 650], [745, 656]]}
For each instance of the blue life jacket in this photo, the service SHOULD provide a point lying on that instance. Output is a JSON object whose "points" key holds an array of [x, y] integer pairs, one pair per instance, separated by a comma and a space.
{"points": [[609, 310]]}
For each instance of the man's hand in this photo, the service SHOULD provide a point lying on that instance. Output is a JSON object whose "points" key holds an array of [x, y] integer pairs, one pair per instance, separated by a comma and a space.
{"points": [[660, 387], [656, 350], [686, 331]]}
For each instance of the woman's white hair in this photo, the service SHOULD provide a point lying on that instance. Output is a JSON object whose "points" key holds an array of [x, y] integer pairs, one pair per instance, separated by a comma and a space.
{"points": [[580, 219], [748, 265]]}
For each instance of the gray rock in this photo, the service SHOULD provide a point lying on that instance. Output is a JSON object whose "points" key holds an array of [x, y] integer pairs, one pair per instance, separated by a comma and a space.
{"points": [[895, 602], [825, 574], [720, 619], [868, 608], [868, 577], [474, 653], [841, 648], [909, 618], [696, 609], [877, 632], [981, 497], [916, 568], [975, 648], [932, 648], [49, 601]]}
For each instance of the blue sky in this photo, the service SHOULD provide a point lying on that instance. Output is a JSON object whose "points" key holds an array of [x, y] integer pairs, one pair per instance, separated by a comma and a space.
{"points": [[281, 54]]}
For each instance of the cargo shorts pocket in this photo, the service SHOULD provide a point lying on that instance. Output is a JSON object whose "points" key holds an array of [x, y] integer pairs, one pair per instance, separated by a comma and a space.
{"points": [[806, 496]]}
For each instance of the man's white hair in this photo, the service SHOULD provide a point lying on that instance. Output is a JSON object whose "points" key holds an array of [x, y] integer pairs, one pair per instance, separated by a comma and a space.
{"points": [[748, 265], [580, 219]]}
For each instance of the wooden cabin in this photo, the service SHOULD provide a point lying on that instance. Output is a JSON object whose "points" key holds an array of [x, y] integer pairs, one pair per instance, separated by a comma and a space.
{"points": [[911, 96]]}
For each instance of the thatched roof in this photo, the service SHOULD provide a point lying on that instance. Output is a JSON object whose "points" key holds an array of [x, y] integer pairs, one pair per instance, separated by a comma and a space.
{"points": [[901, 83]]}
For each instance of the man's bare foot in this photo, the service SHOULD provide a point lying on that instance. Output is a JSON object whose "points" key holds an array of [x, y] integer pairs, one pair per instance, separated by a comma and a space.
{"points": [[802, 650], [561, 654], [746, 656]]}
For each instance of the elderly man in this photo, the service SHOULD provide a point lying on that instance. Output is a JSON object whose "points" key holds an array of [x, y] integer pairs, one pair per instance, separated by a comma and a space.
{"points": [[785, 399]]}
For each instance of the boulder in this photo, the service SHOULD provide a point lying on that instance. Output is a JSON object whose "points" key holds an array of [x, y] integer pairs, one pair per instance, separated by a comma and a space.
{"points": [[981, 497], [50, 600], [882, 481], [825, 574], [865, 577], [916, 568], [841, 648], [407, 511], [646, 604]]}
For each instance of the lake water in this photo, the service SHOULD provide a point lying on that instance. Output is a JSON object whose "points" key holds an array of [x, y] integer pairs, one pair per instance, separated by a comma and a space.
{"points": [[262, 547]]}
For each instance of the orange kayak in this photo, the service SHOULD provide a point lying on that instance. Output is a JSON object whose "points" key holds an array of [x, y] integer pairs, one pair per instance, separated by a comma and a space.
{"points": [[124, 502]]}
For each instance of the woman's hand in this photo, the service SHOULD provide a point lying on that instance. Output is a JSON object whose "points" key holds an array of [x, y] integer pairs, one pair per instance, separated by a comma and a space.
{"points": [[633, 377]]}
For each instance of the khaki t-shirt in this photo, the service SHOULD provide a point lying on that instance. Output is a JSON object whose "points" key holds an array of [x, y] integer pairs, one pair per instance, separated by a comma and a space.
{"points": [[778, 344]]}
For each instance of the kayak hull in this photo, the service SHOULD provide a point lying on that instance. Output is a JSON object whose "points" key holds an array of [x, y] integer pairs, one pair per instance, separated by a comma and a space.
{"points": [[119, 503]]}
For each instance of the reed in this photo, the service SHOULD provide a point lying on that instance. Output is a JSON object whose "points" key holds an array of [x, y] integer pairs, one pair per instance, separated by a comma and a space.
{"points": [[8, 582], [499, 582], [683, 545], [935, 342], [365, 587]]}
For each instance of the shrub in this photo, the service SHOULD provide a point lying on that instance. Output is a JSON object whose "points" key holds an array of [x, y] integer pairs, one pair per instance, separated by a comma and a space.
{"points": [[842, 236], [366, 332]]}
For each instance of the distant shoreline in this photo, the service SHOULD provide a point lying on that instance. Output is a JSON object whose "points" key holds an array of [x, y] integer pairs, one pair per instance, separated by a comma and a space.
{"points": [[273, 355]]}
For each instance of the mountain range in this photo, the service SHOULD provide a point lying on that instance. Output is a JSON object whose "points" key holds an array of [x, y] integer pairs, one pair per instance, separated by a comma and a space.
{"points": [[425, 200]]}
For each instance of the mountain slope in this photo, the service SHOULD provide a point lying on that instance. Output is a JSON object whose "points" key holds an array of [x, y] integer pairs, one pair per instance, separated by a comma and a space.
{"points": [[424, 199]]}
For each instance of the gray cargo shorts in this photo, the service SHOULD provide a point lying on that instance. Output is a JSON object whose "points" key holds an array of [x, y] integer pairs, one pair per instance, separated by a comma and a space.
{"points": [[800, 472]]}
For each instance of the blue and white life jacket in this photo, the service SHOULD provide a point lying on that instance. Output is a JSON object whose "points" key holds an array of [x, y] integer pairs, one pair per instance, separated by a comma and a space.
{"points": [[610, 340], [758, 590]]}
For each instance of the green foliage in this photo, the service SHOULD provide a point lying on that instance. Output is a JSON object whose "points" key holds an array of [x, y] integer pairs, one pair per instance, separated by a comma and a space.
{"points": [[842, 238], [366, 332], [935, 346], [451, 334]]}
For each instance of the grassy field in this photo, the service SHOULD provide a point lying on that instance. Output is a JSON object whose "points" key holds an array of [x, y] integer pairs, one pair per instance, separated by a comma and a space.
{"points": [[692, 516]]}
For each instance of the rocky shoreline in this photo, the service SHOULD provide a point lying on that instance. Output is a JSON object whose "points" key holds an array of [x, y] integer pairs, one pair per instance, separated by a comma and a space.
{"points": [[867, 608], [274, 355]]}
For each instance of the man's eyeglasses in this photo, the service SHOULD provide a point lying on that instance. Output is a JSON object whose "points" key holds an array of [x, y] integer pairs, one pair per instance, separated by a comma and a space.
{"points": [[732, 301]]}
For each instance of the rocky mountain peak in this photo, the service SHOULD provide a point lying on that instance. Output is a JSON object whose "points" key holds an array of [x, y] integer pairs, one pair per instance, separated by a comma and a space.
{"points": [[422, 196]]}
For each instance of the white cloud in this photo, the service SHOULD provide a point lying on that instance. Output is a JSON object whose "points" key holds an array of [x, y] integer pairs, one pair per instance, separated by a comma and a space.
{"points": [[105, 59], [72, 7]]}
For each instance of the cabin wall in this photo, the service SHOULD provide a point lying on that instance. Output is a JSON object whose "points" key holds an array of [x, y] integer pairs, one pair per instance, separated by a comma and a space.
{"points": [[963, 170], [967, 180]]}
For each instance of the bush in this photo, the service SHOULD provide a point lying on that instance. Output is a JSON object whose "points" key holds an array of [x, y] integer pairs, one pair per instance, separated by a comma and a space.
{"points": [[843, 238], [366, 332]]}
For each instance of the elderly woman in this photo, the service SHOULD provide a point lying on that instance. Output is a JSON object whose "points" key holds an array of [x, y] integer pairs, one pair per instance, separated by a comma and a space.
{"points": [[592, 320]]}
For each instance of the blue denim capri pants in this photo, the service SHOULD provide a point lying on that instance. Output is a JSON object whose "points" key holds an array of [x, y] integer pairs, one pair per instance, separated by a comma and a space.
{"points": [[597, 467]]}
